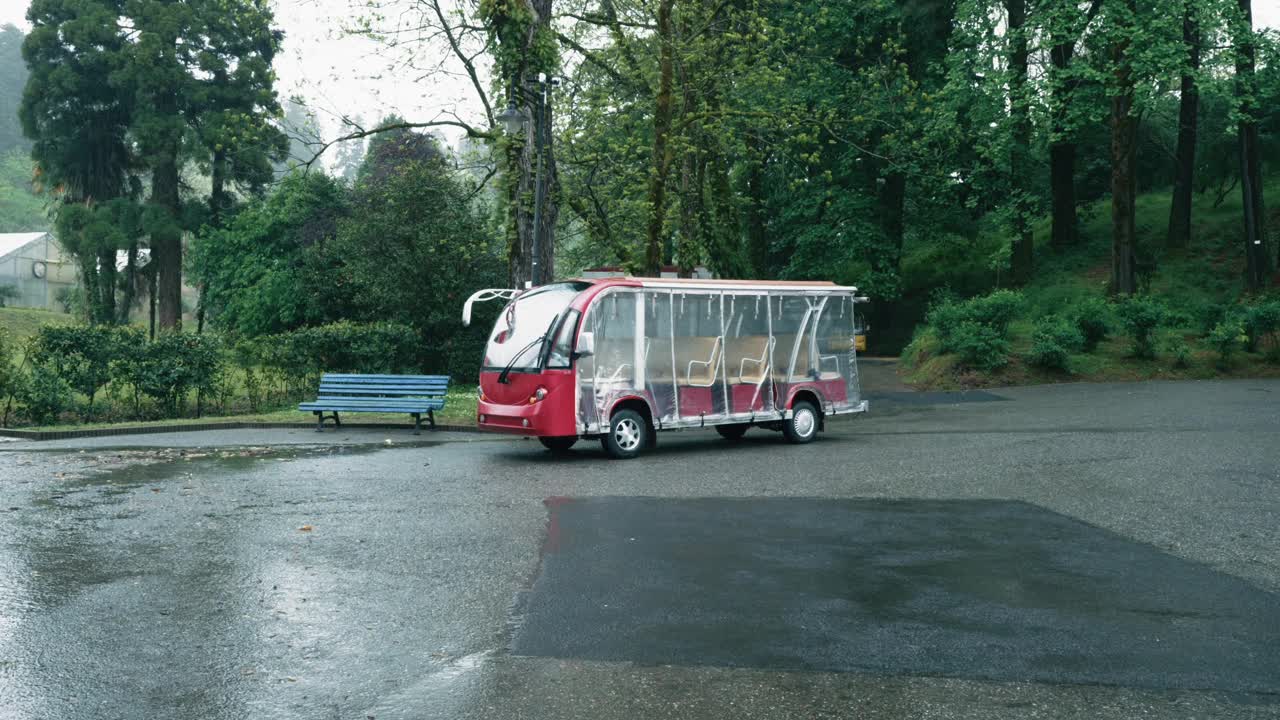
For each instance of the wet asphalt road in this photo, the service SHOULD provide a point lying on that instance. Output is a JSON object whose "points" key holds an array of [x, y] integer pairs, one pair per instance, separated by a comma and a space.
{"points": [[357, 579]]}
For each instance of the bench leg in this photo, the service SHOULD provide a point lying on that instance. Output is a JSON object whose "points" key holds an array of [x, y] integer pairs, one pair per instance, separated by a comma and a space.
{"points": [[431, 418], [320, 418], [417, 423]]}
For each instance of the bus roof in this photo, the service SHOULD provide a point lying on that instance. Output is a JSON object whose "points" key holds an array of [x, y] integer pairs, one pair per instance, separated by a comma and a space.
{"points": [[707, 284]]}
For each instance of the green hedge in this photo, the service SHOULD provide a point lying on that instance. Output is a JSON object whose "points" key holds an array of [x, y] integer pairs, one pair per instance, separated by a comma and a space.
{"points": [[65, 372]]}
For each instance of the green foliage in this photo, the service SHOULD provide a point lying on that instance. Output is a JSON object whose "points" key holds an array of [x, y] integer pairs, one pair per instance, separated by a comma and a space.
{"points": [[1225, 339], [979, 345], [9, 375], [270, 269], [81, 355], [976, 330], [43, 394], [1262, 326], [1052, 342], [165, 369], [1141, 316], [1177, 347], [345, 347], [1094, 319], [411, 251], [995, 311]]}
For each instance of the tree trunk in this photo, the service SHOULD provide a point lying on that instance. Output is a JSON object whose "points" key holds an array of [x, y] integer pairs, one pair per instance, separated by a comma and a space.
{"points": [[892, 201], [166, 242], [522, 165], [104, 308], [1123, 138], [1062, 154], [1185, 159], [1019, 164], [218, 204], [1257, 254], [757, 237], [661, 128], [130, 290]]}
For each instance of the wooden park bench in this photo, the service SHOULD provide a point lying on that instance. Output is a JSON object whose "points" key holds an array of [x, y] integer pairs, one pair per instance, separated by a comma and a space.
{"points": [[416, 395]]}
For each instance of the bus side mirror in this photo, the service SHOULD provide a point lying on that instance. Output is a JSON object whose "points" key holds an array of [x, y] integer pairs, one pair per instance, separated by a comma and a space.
{"points": [[586, 345]]}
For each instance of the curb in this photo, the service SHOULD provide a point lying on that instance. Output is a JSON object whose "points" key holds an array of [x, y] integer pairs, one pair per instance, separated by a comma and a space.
{"points": [[40, 435]]}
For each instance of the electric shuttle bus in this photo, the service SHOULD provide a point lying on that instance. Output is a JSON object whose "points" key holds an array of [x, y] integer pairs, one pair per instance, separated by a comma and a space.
{"points": [[621, 358]]}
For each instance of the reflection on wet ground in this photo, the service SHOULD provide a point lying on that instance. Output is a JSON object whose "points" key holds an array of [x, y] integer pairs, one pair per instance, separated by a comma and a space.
{"points": [[970, 588]]}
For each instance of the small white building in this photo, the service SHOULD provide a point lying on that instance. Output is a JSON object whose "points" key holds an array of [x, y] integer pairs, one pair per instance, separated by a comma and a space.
{"points": [[35, 265]]}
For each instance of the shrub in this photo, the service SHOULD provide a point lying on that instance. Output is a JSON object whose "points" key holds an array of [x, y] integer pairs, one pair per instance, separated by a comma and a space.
{"points": [[81, 355], [996, 310], [170, 366], [44, 395], [1225, 339], [9, 377], [1141, 316], [976, 329], [1052, 343], [980, 346], [1095, 320], [1180, 350], [1262, 323]]}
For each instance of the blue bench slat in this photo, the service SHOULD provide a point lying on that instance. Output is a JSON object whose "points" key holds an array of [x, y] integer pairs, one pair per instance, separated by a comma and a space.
{"points": [[396, 378], [414, 401], [439, 389], [332, 392], [349, 392]]}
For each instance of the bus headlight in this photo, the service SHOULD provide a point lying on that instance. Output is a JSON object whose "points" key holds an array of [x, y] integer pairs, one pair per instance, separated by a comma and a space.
{"points": [[539, 394]]}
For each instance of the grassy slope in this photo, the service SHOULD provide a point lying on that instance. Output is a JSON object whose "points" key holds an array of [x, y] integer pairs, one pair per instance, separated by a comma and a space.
{"points": [[24, 322], [1207, 274]]}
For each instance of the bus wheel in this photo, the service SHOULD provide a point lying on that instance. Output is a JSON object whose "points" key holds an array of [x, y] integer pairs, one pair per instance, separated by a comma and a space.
{"points": [[802, 426], [628, 435], [558, 445], [732, 433]]}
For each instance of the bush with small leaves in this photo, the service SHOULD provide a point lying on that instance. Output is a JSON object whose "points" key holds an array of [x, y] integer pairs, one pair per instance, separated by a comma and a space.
{"points": [[44, 395], [1141, 316], [1094, 318], [1262, 326], [976, 330], [1225, 339], [980, 346], [1052, 343]]}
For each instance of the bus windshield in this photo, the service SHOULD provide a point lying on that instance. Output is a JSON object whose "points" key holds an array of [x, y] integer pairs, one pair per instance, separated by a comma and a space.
{"points": [[515, 340]]}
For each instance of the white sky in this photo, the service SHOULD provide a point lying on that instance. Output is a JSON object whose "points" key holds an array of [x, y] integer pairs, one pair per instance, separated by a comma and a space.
{"points": [[342, 74]]}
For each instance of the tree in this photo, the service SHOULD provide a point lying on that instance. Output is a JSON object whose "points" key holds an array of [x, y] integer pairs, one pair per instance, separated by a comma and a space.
{"points": [[13, 78], [525, 53], [269, 270], [412, 249], [1258, 261], [1020, 147], [1123, 16], [79, 126], [198, 67], [1179, 234]]}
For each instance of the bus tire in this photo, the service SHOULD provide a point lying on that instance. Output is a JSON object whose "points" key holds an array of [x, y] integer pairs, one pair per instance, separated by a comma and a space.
{"points": [[734, 432], [558, 445], [628, 435], [802, 426]]}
